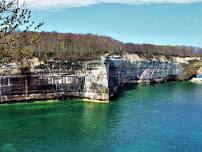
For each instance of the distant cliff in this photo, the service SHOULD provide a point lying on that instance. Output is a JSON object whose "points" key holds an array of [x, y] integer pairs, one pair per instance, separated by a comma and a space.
{"points": [[97, 79]]}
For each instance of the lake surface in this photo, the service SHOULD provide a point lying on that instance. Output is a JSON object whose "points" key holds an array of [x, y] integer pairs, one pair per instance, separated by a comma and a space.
{"points": [[153, 118]]}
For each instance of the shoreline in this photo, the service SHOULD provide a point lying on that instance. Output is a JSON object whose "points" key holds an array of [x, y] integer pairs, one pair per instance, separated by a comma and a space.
{"points": [[56, 100]]}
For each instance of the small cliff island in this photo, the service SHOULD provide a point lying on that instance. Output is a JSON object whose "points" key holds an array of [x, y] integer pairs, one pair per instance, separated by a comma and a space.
{"points": [[92, 67]]}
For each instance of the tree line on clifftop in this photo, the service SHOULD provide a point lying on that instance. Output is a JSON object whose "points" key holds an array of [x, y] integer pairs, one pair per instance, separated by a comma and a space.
{"points": [[74, 47]]}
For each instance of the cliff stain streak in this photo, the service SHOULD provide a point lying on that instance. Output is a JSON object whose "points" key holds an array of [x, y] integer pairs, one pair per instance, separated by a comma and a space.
{"points": [[99, 80]]}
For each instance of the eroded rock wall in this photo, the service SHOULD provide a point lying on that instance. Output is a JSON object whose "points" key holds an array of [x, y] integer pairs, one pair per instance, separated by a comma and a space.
{"points": [[124, 72], [57, 80], [97, 80]]}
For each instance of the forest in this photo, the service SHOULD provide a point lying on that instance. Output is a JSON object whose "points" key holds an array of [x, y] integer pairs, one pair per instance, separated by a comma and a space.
{"points": [[73, 47], [79, 47]]}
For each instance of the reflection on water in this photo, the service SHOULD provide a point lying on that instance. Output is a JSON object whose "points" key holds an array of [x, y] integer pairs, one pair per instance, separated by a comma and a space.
{"points": [[163, 117]]}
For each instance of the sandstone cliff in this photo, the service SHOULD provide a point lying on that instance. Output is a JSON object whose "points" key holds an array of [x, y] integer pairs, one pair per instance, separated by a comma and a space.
{"points": [[98, 80]]}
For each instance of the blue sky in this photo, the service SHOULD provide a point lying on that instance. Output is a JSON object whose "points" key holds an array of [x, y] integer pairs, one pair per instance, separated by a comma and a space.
{"points": [[174, 24]]}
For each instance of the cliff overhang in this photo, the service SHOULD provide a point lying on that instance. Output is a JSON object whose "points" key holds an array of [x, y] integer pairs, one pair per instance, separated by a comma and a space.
{"points": [[97, 80]]}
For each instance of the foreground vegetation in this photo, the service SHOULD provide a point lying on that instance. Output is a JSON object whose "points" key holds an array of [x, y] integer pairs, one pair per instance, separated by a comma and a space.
{"points": [[14, 45]]}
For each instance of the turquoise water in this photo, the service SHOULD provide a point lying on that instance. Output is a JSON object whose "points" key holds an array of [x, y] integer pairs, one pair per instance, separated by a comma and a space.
{"points": [[153, 118]]}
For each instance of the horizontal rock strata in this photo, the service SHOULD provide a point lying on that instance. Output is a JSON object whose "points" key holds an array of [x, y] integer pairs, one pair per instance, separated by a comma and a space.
{"points": [[96, 80]]}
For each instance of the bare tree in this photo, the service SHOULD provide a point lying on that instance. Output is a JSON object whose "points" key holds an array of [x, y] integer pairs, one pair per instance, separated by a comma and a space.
{"points": [[14, 44]]}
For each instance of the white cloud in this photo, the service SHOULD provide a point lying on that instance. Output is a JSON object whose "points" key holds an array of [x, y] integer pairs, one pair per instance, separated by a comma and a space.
{"points": [[45, 4]]}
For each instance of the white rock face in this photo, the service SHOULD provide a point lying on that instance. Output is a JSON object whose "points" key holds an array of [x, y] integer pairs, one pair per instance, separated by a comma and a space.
{"points": [[200, 71], [197, 80], [185, 60], [96, 82], [126, 72], [104, 77]]}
